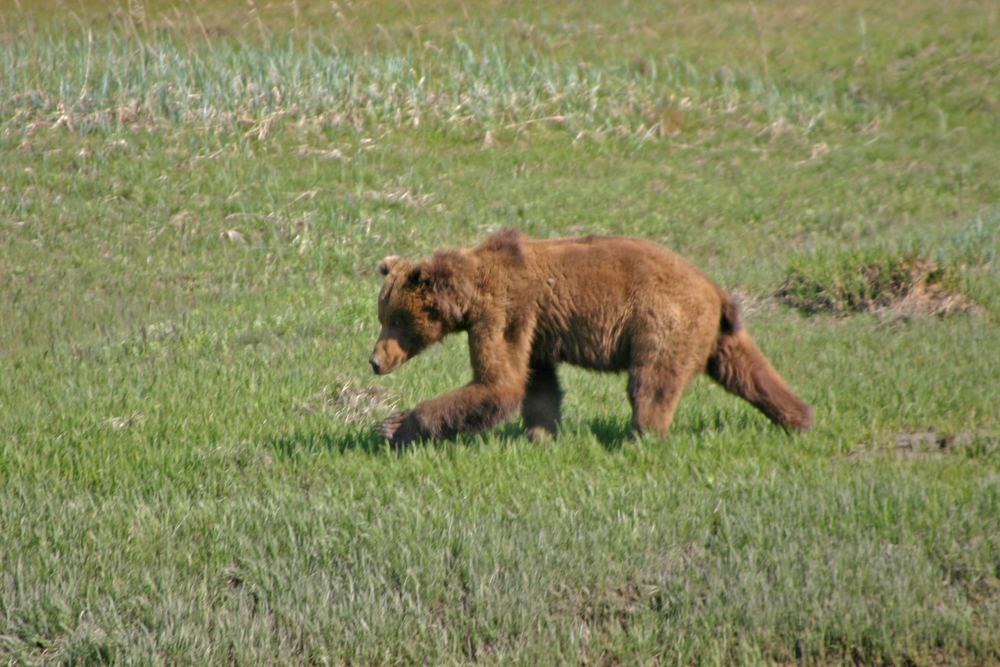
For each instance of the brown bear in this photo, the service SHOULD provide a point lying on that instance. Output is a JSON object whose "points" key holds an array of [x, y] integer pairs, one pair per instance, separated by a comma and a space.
{"points": [[604, 303]]}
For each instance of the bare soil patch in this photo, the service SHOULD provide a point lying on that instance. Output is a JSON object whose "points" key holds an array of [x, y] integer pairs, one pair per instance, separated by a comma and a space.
{"points": [[929, 443]]}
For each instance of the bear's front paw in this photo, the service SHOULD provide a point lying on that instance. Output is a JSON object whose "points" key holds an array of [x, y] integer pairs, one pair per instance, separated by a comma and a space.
{"points": [[400, 428]]}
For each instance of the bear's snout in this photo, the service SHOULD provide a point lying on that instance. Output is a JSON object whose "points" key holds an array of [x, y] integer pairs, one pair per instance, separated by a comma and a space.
{"points": [[387, 356]]}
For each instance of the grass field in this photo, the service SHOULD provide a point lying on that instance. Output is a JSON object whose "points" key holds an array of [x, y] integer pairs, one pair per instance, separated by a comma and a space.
{"points": [[193, 198]]}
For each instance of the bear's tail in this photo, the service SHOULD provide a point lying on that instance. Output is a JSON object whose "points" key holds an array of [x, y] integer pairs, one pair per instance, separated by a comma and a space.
{"points": [[739, 366]]}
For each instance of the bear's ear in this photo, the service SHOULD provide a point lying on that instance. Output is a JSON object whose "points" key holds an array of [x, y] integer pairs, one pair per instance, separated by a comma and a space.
{"points": [[419, 275], [449, 276], [387, 263]]}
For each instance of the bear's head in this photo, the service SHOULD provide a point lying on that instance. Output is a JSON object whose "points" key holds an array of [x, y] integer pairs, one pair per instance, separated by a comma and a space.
{"points": [[420, 303]]}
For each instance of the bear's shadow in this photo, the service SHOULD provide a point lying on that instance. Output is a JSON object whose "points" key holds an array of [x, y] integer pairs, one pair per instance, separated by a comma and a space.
{"points": [[362, 439], [610, 433], [367, 440]]}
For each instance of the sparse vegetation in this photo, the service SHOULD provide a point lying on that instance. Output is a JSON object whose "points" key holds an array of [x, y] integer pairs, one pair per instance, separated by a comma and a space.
{"points": [[875, 282], [193, 197]]}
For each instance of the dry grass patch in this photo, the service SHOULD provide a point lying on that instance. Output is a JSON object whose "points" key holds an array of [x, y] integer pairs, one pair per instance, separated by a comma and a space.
{"points": [[350, 402]]}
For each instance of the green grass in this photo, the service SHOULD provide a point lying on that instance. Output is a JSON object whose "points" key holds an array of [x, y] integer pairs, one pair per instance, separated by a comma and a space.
{"points": [[193, 198]]}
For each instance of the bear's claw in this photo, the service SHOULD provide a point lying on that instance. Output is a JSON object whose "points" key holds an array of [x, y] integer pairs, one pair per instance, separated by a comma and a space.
{"points": [[400, 428]]}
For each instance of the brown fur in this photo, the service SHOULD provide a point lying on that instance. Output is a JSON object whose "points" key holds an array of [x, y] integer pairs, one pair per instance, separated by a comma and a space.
{"points": [[605, 303]]}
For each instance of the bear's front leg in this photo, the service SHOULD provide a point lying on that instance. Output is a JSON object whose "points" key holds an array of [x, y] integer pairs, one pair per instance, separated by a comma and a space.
{"points": [[475, 407]]}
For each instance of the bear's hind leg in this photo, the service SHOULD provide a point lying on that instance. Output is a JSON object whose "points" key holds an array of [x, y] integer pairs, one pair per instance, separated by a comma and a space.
{"points": [[541, 405], [654, 390]]}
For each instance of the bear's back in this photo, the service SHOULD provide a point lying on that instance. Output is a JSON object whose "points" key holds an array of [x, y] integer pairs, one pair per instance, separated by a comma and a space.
{"points": [[595, 293]]}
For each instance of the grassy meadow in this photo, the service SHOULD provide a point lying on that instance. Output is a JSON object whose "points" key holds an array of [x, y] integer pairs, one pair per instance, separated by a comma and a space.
{"points": [[193, 198]]}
